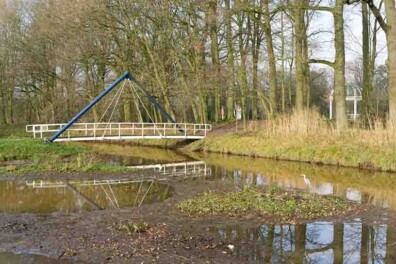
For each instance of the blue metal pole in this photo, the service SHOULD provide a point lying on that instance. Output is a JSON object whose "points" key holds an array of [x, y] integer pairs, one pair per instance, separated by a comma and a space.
{"points": [[126, 75]]}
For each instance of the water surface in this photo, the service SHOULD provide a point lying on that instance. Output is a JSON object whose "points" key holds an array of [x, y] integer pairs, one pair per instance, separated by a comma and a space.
{"points": [[75, 195], [316, 242]]}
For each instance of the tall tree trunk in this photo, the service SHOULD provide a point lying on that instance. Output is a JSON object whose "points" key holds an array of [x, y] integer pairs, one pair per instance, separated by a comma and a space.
{"points": [[366, 85], [283, 84], [10, 106], [214, 48], [299, 46], [230, 60], [271, 59], [391, 44], [256, 44], [339, 66], [242, 73], [306, 73]]}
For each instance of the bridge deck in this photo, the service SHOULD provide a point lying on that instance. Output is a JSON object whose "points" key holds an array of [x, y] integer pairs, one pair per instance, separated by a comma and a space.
{"points": [[121, 131]]}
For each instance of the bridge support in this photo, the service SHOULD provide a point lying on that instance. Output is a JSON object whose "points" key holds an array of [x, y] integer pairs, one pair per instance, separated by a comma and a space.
{"points": [[125, 76]]}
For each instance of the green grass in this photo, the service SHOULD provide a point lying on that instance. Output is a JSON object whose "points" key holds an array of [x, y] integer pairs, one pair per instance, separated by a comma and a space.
{"points": [[25, 148], [335, 150], [39, 157], [285, 207], [13, 131]]}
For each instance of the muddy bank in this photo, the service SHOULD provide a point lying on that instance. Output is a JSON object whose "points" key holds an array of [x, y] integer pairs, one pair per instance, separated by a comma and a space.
{"points": [[172, 236], [91, 236]]}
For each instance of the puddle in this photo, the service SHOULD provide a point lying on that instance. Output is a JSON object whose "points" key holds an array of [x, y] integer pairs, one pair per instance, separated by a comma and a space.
{"points": [[77, 195], [318, 242]]}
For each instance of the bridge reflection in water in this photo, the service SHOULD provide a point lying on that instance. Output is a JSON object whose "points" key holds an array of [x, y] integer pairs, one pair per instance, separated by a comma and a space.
{"points": [[47, 196]]}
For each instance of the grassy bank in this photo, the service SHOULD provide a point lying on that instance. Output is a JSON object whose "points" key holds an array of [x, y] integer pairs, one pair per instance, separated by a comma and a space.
{"points": [[25, 155], [307, 138], [280, 206]]}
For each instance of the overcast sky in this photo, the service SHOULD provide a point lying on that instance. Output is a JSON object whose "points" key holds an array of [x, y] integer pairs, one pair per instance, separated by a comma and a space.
{"points": [[353, 36]]}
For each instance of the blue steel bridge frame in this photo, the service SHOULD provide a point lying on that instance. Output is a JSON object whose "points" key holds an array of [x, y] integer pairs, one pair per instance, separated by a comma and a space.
{"points": [[125, 76]]}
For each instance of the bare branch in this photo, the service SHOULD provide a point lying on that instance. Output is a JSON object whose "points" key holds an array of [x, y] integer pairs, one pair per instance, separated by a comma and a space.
{"points": [[326, 62]]}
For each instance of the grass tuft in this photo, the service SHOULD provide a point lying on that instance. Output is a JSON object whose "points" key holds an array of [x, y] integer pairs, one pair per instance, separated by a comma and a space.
{"points": [[287, 207]]}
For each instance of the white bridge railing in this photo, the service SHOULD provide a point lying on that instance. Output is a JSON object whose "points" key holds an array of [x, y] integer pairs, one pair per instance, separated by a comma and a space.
{"points": [[119, 131]]}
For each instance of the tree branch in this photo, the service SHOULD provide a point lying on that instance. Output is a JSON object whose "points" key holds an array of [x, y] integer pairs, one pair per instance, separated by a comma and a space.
{"points": [[326, 62], [376, 12], [378, 16]]}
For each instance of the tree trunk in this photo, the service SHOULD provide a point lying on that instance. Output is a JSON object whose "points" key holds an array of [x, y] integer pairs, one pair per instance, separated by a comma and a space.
{"points": [[391, 44], [299, 46], [366, 80], [271, 59], [242, 73], [230, 60], [283, 84], [255, 57], [339, 67], [214, 48]]}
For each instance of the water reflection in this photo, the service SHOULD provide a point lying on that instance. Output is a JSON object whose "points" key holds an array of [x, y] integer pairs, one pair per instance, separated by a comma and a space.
{"points": [[357, 185], [180, 169], [70, 196], [319, 242]]}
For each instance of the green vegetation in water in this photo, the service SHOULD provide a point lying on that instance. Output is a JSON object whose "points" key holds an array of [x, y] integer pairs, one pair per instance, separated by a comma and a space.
{"points": [[24, 155], [132, 227], [285, 207]]}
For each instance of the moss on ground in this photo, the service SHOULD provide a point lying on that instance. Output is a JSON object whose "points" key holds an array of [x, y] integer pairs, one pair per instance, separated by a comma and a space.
{"points": [[280, 206]]}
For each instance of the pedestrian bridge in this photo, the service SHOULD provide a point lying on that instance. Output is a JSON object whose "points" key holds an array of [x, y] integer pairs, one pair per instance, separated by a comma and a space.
{"points": [[74, 131], [120, 131]]}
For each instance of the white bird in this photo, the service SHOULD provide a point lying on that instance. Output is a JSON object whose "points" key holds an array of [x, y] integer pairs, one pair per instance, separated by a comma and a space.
{"points": [[306, 179]]}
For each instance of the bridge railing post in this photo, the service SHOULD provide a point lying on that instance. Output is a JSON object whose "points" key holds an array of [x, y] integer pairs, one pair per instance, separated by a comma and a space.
{"points": [[119, 130], [165, 129], [142, 130], [185, 130], [94, 130], [34, 131]]}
